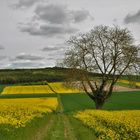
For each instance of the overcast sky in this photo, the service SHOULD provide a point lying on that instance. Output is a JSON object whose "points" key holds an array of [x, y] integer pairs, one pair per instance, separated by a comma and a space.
{"points": [[33, 32]]}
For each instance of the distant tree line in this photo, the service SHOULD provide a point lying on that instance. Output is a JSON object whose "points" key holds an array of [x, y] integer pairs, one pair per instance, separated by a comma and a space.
{"points": [[18, 76], [41, 76]]}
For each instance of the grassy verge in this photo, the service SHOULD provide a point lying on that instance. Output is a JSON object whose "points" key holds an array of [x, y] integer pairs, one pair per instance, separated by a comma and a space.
{"points": [[24, 133], [81, 131], [56, 132], [1, 88]]}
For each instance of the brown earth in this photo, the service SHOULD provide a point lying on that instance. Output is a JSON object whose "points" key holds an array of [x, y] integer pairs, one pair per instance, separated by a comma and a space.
{"points": [[121, 88]]}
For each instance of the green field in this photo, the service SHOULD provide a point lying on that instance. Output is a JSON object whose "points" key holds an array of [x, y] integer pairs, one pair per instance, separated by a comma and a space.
{"points": [[119, 101], [61, 125]]}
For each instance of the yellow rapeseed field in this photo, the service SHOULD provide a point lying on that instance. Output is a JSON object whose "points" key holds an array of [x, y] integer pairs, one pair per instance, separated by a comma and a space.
{"points": [[18, 112], [129, 82], [35, 89], [61, 88], [112, 125], [39, 89]]}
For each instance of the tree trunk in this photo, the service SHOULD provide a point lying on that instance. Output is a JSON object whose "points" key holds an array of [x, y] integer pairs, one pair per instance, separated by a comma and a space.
{"points": [[99, 103]]}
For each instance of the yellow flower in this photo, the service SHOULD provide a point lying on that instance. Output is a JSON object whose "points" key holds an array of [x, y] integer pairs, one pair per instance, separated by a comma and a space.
{"points": [[112, 125], [18, 112], [58, 87]]}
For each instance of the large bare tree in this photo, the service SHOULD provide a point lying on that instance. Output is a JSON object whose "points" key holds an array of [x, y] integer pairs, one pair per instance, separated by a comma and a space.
{"points": [[108, 51]]}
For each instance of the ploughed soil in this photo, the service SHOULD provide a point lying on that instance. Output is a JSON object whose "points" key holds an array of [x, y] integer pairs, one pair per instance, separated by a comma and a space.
{"points": [[121, 88]]}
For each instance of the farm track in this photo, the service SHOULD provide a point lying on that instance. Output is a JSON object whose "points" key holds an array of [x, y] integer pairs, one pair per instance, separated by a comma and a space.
{"points": [[60, 129], [57, 128], [118, 88], [69, 134], [43, 130]]}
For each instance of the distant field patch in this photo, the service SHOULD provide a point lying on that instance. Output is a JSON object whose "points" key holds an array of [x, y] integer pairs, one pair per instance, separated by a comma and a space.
{"points": [[61, 88], [134, 83], [56, 87], [27, 89]]}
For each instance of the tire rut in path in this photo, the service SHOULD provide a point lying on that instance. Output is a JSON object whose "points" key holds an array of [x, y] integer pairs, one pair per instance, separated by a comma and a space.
{"points": [[68, 130], [61, 129], [43, 130]]}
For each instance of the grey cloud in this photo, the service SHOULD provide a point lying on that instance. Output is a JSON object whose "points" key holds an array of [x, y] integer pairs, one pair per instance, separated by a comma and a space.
{"points": [[62, 45], [80, 15], [55, 48], [2, 47], [3, 57], [24, 60], [54, 58], [24, 56], [59, 14], [52, 29], [48, 30], [25, 3], [56, 54], [54, 20], [132, 18], [48, 48], [25, 64], [52, 13]]}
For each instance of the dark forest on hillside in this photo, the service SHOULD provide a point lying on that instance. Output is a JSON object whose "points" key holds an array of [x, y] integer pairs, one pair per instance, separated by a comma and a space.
{"points": [[54, 74]]}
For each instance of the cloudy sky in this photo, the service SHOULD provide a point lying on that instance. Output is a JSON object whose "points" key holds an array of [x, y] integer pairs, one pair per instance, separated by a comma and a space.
{"points": [[33, 32]]}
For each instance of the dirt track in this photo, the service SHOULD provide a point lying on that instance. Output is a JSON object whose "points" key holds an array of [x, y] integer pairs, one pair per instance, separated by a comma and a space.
{"points": [[116, 88], [121, 88]]}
